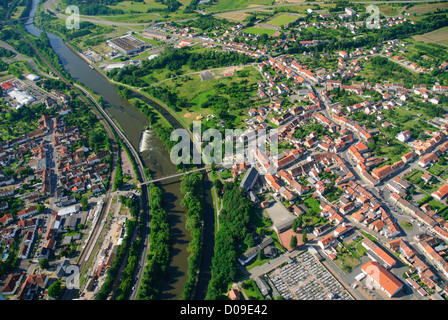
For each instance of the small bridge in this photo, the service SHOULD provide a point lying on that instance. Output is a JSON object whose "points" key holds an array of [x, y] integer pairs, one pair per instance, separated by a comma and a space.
{"points": [[174, 175]]}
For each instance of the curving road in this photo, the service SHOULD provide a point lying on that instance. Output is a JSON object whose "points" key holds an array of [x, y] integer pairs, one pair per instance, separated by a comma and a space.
{"points": [[48, 7]]}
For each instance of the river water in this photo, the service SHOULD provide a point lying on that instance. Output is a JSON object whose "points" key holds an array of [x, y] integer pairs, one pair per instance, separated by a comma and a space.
{"points": [[155, 156]]}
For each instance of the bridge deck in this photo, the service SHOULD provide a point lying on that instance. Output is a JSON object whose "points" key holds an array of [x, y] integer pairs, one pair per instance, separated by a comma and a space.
{"points": [[174, 175]]}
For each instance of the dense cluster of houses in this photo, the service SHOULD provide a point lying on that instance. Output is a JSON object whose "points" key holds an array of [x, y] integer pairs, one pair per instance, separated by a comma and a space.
{"points": [[298, 171]]}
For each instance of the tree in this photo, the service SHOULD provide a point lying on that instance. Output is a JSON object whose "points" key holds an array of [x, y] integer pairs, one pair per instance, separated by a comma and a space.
{"points": [[55, 289], [297, 223], [249, 240], [218, 185], [85, 203], [304, 236], [293, 242], [40, 208], [261, 255], [43, 263]]}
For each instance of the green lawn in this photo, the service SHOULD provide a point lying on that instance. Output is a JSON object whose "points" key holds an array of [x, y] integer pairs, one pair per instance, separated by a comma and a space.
{"points": [[154, 43], [345, 260], [414, 177], [142, 7], [251, 289], [131, 18], [282, 20], [196, 90], [437, 169], [436, 205], [406, 225], [313, 204], [258, 30]]}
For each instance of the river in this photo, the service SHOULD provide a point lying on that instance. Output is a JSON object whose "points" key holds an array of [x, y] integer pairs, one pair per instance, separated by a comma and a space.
{"points": [[155, 156]]}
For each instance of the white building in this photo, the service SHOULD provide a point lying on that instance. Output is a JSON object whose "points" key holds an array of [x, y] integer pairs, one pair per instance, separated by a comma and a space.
{"points": [[21, 97], [69, 210], [404, 136], [32, 77], [350, 11]]}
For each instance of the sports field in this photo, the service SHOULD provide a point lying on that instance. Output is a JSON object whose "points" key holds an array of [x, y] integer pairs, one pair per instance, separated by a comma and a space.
{"points": [[282, 20]]}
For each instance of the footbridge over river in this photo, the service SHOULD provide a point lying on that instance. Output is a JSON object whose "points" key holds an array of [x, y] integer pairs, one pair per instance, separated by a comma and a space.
{"points": [[174, 175]]}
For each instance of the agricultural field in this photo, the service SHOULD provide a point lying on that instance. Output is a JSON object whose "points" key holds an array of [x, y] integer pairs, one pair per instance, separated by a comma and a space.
{"points": [[227, 5], [302, 8], [142, 7], [439, 37], [259, 30], [282, 20], [422, 9], [17, 12], [137, 12], [130, 18], [390, 9], [288, 1], [235, 16]]}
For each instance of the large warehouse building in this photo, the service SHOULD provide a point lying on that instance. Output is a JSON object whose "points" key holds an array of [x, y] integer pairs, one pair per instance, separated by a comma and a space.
{"points": [[127, 44]]}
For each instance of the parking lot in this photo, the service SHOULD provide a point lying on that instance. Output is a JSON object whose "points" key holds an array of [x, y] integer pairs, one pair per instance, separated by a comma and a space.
{"points": [[305, 278]]}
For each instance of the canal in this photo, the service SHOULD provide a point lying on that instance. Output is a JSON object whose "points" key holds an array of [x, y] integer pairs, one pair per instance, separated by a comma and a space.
{"points": [[154, 156]]}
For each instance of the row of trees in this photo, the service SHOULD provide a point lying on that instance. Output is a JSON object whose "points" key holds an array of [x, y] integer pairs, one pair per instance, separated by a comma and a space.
{"points": [[118, 181], [125, 288], [191, 188], [233, 224], [159, 250]]}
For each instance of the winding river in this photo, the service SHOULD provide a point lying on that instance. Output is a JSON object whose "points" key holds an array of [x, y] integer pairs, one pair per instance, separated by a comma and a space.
{"points": [[155, 156]]}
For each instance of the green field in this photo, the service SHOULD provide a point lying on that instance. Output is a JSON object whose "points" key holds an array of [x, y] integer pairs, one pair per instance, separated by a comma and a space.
{"points": [[131, 18], [258, 30], [197, 91], [142, 7], [439, 36], [420, 9], [224, 5], [282, 20]]}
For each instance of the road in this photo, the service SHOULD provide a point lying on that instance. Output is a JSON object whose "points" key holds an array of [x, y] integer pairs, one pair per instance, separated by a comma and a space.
{"points": [[19, 57], [47, 6]]}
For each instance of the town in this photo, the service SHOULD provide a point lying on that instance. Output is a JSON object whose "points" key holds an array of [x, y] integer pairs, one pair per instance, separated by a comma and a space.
{"points": [[353, 206]]}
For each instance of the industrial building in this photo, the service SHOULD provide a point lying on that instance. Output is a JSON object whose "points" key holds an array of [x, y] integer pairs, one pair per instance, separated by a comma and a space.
{"points": [[127, 44], [69, 210], [21, 97]]}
